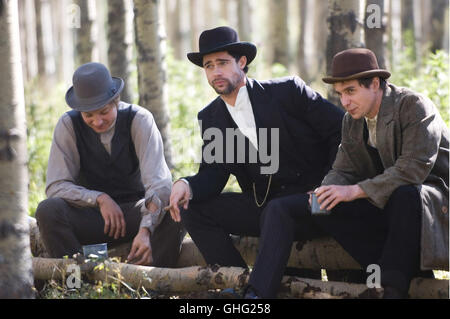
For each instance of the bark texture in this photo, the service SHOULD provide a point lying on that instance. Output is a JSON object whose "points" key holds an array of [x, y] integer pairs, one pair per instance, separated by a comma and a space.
{"points": [[16, 278], [152, 82], [344, 32], [278, 32], [374, 35], [118, 49], [84, 43]]}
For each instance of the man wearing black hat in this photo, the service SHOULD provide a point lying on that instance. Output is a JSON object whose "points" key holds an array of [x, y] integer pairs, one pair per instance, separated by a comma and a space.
{"points": [[388, 189], [283, 117], [107, 179]]}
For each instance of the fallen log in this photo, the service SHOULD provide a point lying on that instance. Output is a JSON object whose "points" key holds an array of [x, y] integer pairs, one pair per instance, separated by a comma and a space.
{"points": [[36, 244], [189, 279], [159, 279], [323, 253]]}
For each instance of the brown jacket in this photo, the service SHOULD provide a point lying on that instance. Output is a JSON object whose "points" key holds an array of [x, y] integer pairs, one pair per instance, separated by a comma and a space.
{"points": [[413, 143]]}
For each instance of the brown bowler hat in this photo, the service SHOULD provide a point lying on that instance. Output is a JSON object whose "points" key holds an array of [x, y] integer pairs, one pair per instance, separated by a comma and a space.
{"points": [[354, 64]]}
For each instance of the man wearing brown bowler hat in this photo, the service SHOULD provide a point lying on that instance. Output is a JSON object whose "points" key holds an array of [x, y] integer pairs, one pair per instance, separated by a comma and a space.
{"points": [[388, 188], [107, 179]]}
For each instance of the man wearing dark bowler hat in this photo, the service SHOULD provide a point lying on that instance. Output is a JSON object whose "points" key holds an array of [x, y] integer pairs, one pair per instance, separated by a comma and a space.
{"points": [[107, 179], [388, 188], [281, 117]]}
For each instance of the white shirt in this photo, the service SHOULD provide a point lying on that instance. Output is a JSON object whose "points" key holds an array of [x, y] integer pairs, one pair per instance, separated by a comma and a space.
{"points": [[372, 127], [242, 114]]}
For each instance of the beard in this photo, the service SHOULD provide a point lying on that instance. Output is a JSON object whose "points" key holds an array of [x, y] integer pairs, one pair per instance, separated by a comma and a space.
{"points": [[230, 84]]}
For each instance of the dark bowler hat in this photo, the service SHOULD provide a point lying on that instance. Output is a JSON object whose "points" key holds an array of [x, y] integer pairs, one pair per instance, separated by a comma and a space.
{"points": [[221, 39], [93, 87], [354, 64]]}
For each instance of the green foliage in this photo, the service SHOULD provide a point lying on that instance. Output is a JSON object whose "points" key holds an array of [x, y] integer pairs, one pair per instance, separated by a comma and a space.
{"points": [[431, 79], [43, 110], [186, 97]]}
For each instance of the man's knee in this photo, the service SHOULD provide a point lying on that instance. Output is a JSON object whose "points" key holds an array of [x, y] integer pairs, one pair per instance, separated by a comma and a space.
{"points": [[275, 210], [405, 194], [48, 210], [190, 215]]}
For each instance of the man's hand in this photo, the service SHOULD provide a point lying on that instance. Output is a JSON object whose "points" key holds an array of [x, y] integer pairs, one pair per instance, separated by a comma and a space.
{"points": [[330, 195], [141, 250], [113, 216], [180, 192]]}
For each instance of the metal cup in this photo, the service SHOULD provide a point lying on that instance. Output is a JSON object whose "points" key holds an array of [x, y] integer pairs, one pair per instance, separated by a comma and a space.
{"points": [[315, 207]]}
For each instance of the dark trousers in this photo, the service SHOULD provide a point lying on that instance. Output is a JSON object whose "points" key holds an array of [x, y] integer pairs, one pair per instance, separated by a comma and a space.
{"points": [[388, 237], [210, 224], [65, 228]]}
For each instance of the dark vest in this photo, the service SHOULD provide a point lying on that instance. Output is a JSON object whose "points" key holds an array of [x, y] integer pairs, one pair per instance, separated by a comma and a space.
{"points": [[117, 174]]}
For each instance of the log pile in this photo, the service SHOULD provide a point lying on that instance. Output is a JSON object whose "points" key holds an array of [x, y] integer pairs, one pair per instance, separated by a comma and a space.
{"points": [[192, 274], [197, 278]]}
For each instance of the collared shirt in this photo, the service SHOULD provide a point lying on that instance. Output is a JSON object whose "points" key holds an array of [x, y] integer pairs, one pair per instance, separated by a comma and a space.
{"points": [[372, 127], [242, 114], [64, 165]]}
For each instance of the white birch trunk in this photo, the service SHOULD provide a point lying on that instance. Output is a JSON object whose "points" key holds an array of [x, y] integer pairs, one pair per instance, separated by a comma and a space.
{"points": [[16, 278], [150, 46]]}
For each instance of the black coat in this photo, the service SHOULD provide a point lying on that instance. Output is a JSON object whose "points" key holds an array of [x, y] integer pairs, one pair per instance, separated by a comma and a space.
{"points": [[309, 136]]}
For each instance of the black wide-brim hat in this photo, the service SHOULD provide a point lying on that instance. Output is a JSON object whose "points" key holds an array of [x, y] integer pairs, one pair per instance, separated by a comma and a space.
{"points": [[355, 64], [221, 39], [93, 87]]}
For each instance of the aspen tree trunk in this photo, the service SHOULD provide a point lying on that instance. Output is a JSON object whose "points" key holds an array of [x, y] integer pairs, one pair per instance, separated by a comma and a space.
{"points": [[344, 32], [303, 66], [374, 30], [39, 38], [23, 40], [439, 24], [100, 22], [83, 36], [150, 46], [319, 39], [224, 16], [16, 278], [244, 15], [58, 34], [67, 42], [48, 40], [194, 23], [407, 16], [395, 33], [278, 32], [119, 52], [418, 39], [173, 24], [210, 21], [31, 44]]}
